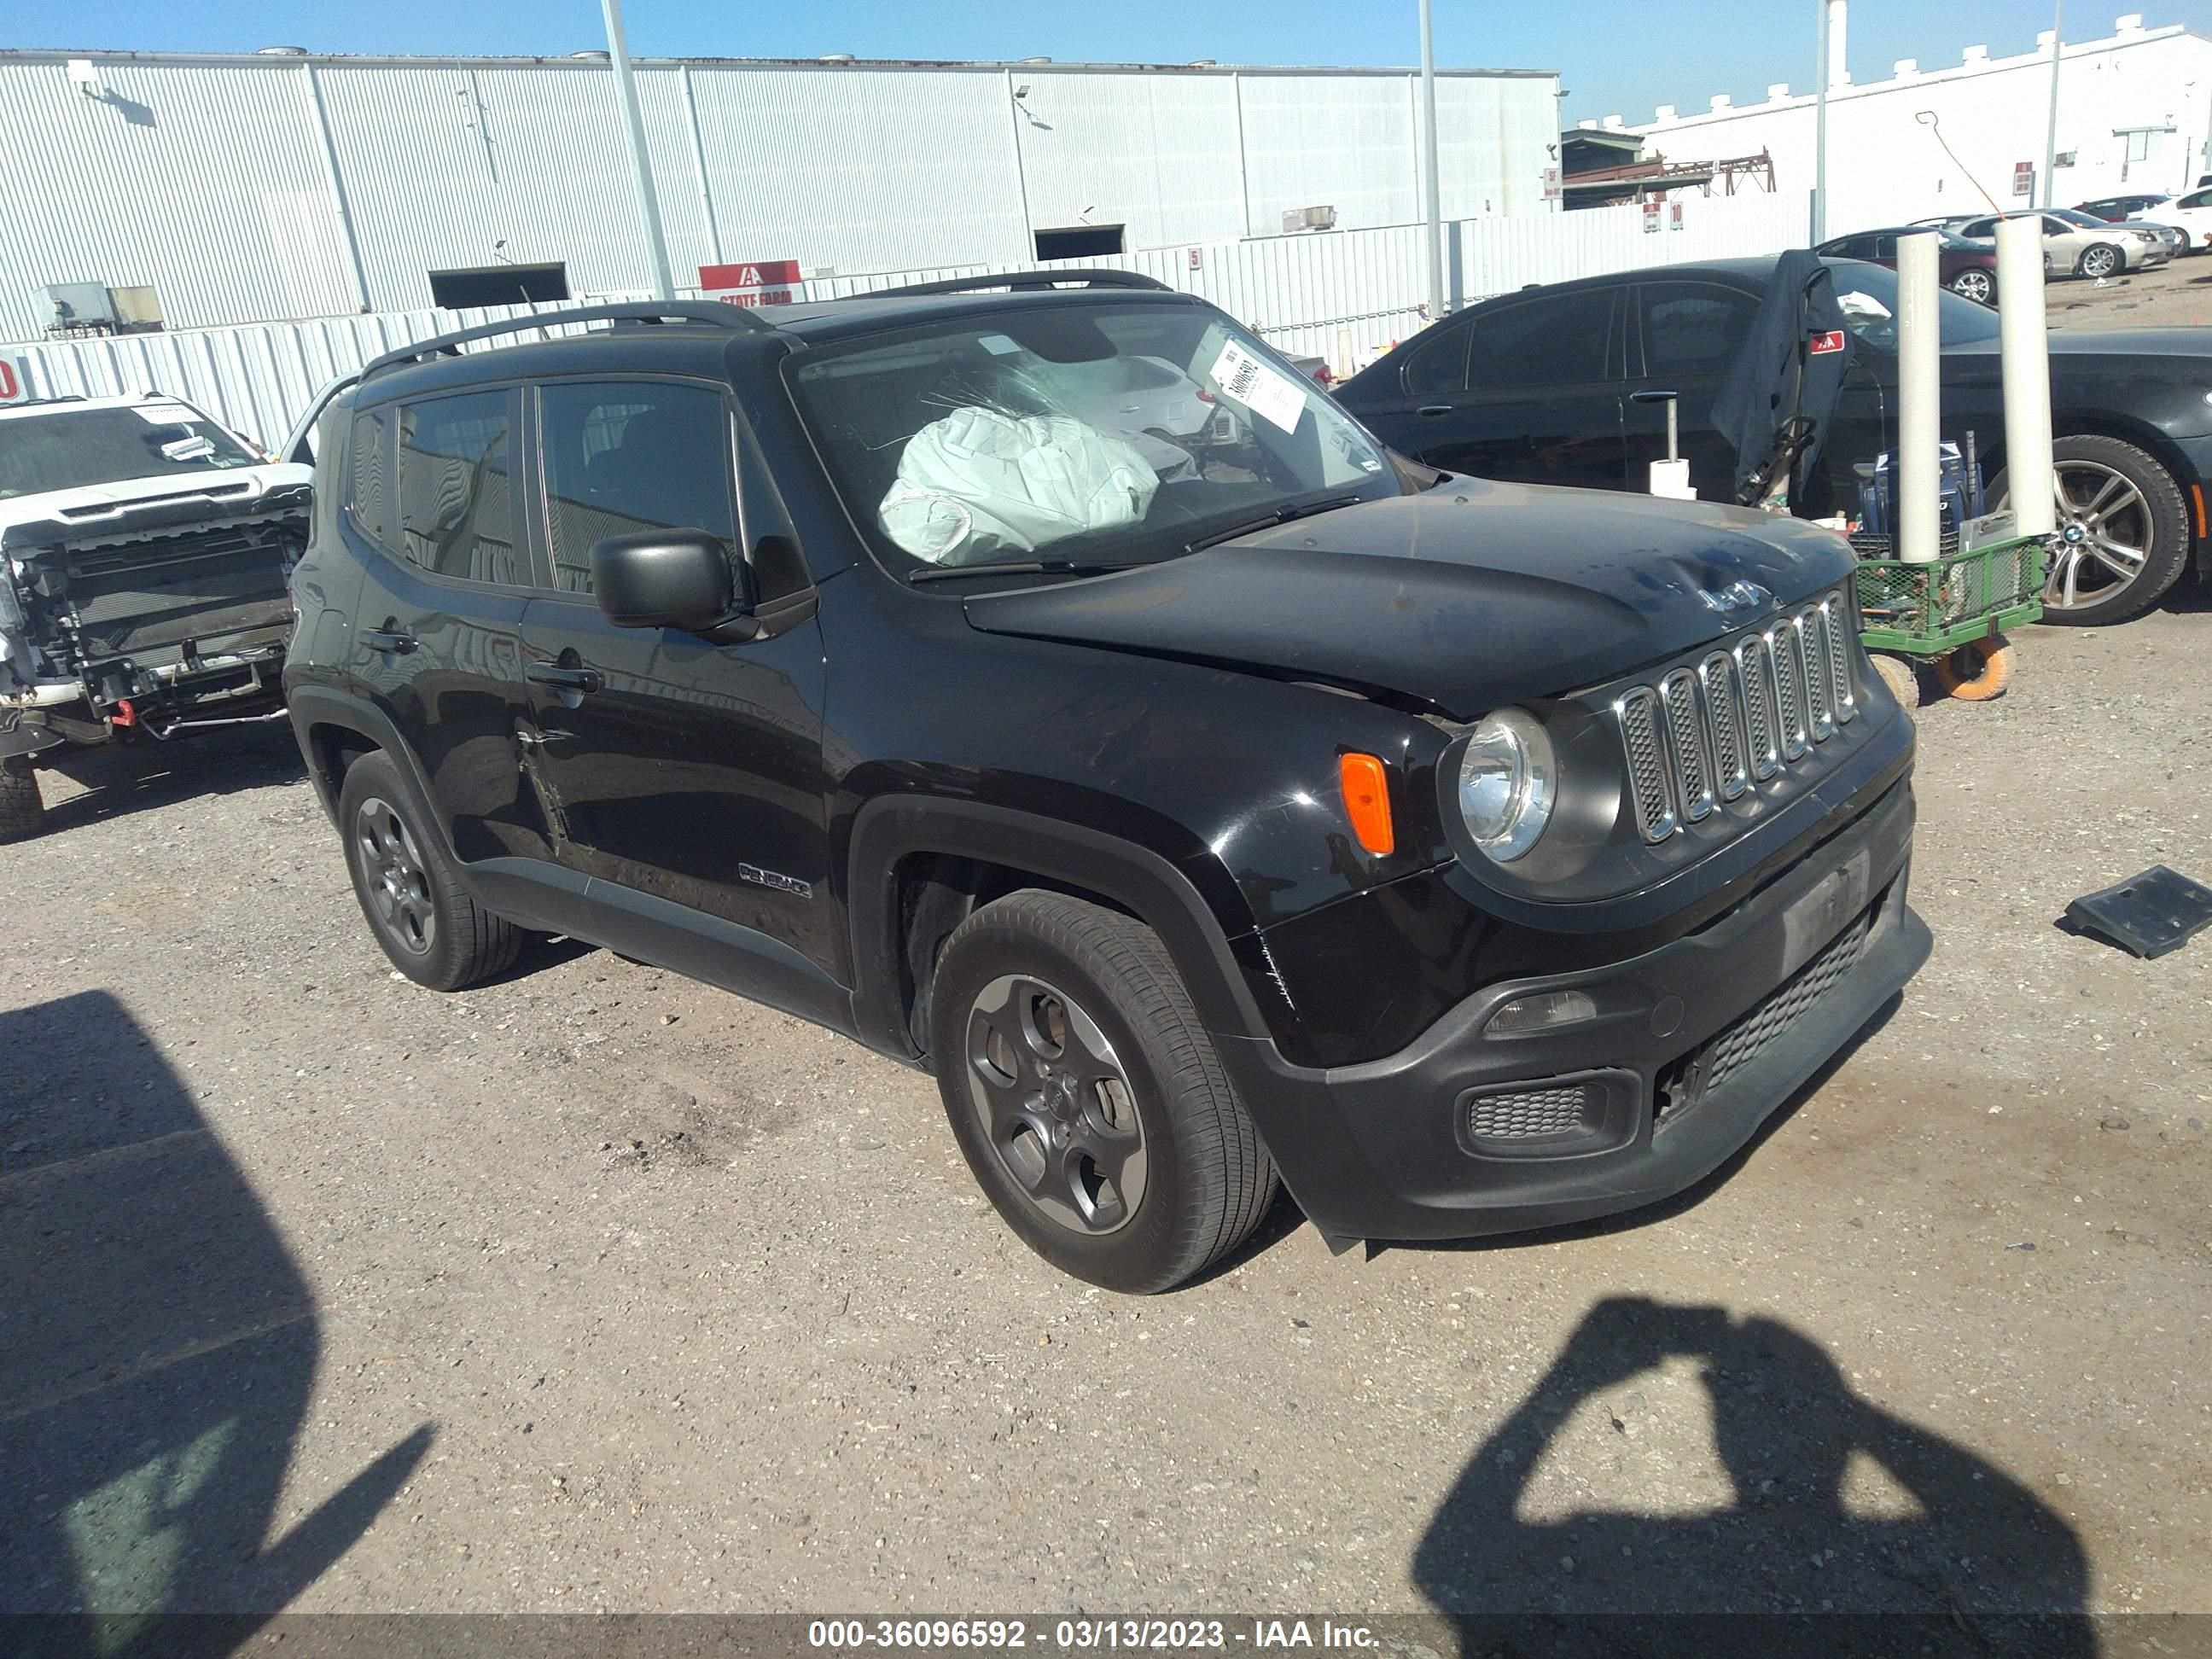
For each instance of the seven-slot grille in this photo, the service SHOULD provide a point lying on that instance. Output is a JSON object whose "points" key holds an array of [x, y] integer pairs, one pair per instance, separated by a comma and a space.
{"points": [[1706, 733]]}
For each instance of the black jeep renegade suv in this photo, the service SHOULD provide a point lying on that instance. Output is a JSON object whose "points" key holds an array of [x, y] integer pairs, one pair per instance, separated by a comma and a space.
{"points": [[1050, 688]]}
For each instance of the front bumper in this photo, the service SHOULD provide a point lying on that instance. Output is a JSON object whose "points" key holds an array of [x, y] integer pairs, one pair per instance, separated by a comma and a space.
{"points": [[1694, 1046]]}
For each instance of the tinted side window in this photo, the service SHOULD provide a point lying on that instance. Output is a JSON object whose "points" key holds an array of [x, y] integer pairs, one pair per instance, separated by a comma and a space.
{"points": [[1851, 247], [1554, 341], [370, 495], [456, 502], [1883, 247], [1980, 229], [2195, 199], [1694, 328], [621, 458], [1439, 363]]}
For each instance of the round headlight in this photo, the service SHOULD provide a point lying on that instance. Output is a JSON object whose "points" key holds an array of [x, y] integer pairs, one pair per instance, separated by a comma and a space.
{"points": [[1508, 783]]}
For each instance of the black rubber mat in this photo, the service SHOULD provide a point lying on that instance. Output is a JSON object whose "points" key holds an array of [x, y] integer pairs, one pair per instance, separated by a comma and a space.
{"points": [[2150, 913]]}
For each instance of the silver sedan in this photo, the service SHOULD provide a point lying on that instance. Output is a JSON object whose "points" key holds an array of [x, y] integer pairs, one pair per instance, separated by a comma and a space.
{"points": [[2076, 244]]}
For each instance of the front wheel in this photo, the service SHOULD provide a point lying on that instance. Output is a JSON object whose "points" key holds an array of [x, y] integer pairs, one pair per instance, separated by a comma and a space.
{"points": [[2123, 531], [1979, 286], [2101, 260], [22, 814], [1087, 1097]]}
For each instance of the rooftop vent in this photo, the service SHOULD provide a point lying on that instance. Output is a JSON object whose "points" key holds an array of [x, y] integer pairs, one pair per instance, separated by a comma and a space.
{"points": [[836, 58], [601, 56], [282, 52]]}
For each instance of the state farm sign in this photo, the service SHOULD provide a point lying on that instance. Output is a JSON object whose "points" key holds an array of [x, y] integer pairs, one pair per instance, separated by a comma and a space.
{"points": [[751, 282]]}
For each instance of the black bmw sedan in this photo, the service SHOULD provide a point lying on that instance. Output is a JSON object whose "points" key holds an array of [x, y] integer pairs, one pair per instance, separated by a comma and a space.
{"points": [[1564, 385]]}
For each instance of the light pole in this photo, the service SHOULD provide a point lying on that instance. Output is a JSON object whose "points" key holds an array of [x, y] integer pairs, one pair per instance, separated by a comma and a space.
{"points": [[1821, 124], [2050, 132], [1431, 195], [641, 164]]}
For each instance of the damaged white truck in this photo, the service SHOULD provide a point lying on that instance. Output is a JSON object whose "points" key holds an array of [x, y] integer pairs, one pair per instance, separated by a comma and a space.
{"points": [[145, 558]]}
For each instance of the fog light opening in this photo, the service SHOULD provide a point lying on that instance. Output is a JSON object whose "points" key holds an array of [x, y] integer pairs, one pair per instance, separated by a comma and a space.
{"points": [[1545, 1011]]}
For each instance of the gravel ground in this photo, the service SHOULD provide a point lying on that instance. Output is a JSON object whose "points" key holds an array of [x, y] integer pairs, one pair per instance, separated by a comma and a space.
{"points": [[2176, 293], [596, 1290]]}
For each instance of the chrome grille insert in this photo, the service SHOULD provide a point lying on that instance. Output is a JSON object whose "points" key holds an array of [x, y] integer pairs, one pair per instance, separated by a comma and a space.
{"points": [[1731, 760], [1705, 735]]}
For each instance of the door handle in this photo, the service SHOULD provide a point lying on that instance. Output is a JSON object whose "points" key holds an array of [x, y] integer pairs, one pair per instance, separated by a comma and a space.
{"points": [[1434, 409], [538, 740], [388, 639], [586, 680]]}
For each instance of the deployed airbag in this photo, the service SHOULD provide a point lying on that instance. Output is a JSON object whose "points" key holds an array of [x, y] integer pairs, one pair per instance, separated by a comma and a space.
{"points": [[979, 483]]}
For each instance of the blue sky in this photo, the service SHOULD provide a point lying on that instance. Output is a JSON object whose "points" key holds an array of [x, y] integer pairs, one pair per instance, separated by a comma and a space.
{"points": [[1678, 51]]}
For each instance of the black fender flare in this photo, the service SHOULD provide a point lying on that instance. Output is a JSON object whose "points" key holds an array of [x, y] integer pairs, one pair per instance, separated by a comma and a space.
{"points": [[891, 829], [312, 706]]}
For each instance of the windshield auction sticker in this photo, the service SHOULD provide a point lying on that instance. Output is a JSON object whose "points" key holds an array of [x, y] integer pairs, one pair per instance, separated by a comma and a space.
{"points": [[1270, 395]]}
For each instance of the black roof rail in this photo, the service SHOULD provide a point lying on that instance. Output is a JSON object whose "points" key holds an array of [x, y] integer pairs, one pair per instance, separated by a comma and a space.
{"points": [[1026, 281], [734, 318]]}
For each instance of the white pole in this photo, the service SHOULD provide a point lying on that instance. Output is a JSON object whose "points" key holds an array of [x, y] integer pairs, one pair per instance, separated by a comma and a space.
{"points": [[2026, 345], [641, 164], [1821, 127], [2050, 132], [1431, 193], [1919, 377]]}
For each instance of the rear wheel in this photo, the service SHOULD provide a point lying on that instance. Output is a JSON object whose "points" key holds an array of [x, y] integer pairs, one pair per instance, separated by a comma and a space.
{"points": [[1979, 286], [1087, 1097], [2123, 531], [429, 925], [22, 814]]}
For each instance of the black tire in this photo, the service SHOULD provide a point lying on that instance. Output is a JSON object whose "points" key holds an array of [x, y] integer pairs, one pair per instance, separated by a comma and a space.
{"points": [[430, 928], [2101, 259], [22, 814], [1206, 1179], [2153, 519], [1975, 284]]}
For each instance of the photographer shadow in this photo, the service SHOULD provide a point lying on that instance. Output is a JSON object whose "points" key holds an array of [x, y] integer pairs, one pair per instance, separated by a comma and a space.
{"points": [[159, 1355], [1836, 1507]]}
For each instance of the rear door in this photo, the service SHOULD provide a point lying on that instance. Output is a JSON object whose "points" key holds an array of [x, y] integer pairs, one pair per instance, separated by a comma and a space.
{"points": [[1685, 333], [679, 770], [1526, 389], [432, 489]]}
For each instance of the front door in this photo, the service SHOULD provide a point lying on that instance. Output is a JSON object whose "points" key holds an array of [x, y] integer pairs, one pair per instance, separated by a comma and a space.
{"points": [[1528, 389], [674, 767]]}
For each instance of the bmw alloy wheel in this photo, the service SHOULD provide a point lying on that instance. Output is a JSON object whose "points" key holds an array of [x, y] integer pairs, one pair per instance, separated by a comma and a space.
{"points": [[1053, 1100], [2105, 531]]}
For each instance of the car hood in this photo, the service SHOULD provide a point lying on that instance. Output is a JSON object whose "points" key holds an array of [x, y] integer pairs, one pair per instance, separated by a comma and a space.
{"points": [[1463, 598], [2180, 341], [129, 506]]}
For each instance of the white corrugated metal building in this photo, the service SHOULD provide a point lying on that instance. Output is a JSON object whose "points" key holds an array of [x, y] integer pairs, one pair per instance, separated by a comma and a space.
{"points": [[261, 186], [2135, 114]]}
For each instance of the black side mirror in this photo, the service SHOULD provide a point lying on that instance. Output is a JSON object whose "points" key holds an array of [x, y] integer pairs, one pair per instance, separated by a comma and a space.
{"points": [[681, 579]]}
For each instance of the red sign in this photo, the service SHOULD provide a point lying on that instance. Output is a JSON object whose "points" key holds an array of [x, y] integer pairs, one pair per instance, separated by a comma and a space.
{"points": [[11, 383], [2023, 178], [754, 282], [1825, 344]]}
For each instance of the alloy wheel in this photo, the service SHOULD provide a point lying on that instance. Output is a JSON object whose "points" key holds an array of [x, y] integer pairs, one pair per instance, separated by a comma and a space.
{"points": [[1056, 1104], [2099, 262], [1976, 285], [398, 885], [2104, 532]]}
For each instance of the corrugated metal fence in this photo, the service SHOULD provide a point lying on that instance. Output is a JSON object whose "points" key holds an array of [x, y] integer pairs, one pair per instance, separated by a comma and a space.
{"points": [[1339, 296]]}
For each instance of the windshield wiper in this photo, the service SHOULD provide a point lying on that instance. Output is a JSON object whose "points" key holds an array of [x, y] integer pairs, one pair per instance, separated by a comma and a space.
{"points": [[1280, 515], [946, 573]]}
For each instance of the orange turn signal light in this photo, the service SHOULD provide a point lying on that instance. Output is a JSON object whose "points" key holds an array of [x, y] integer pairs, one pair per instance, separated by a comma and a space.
{"points": [[1367, 801]]}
